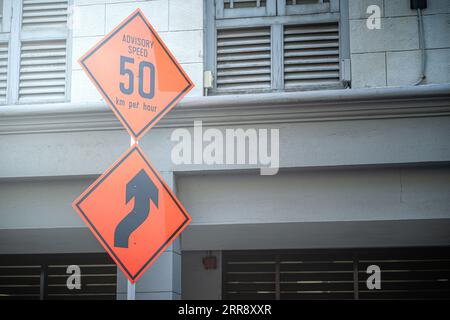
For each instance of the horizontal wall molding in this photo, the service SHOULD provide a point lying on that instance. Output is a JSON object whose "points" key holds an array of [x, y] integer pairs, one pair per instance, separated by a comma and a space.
{"points": [[232, 110]]}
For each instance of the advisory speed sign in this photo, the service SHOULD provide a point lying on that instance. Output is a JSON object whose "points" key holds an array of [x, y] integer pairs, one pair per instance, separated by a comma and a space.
{"points": [[130, 209], [136, 74]]}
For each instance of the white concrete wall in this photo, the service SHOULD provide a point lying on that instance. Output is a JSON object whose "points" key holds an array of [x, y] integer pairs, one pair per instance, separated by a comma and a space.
{"points": [[386, 57], [178, 22], [317, 196], [302, 145], [333, 208], [390, 56]]}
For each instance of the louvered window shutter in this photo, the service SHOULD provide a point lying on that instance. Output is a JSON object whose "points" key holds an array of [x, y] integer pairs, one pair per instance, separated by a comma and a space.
{"points": [[5, 24], [311, 55], [44, 13], [3, 71], [267, 46], [295, 7], [1, 15], [5, 15], [42, 70], [243, 58], [43, 54], [245, 8]]}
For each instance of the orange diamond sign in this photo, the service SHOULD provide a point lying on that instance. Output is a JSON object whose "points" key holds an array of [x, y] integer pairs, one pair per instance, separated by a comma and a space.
{"points": [[132, 212], [136, 74]]}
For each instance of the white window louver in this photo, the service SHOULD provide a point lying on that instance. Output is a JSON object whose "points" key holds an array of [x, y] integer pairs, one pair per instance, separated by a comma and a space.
{"points": [[243, 59], [244, 3], [3, 71], [43, 51], [44, 13], [304, 2], [1, 15], [311, 55], [42, 70]]}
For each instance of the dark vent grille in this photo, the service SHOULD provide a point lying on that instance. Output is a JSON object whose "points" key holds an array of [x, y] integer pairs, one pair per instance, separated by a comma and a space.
{"points": [[249, 276], [414, 273], [409, 274], [20, 281], [45, 277], [98, 282], [316, 276], [311, 55], [243, 59]]}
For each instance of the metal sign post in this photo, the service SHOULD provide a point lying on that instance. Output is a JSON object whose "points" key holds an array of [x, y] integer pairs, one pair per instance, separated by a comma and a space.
{"points": [[131, 287], [131, 291]]}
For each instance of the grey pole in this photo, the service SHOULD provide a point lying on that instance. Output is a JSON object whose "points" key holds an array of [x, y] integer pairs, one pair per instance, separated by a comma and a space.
{"points": [[131, 287], [131, 290]]}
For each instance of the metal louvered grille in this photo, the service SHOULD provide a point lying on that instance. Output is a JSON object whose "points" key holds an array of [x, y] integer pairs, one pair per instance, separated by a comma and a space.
{"points": [[288, 275], [20, 281], [42, 70], [98, 281], [316, 276], [249, 275], [243, 59], [3, 71], [44, 13], [311, 55], [407, 274], [413, 273], [44, 277]]}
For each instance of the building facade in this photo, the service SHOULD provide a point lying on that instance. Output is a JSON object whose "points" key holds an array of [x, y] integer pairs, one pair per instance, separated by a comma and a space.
{"points": [[358, 91]]}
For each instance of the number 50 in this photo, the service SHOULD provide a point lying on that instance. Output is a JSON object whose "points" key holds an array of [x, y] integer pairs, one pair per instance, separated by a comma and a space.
{"points": [[142, 66]]}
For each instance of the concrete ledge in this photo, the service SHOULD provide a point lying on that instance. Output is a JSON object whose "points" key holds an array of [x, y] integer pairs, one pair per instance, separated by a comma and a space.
{"points": [[311, 235], [284, 107]]}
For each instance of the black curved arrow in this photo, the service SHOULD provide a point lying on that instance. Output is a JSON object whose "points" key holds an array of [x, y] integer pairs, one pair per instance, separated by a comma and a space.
{"points": [[143, 190]]}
